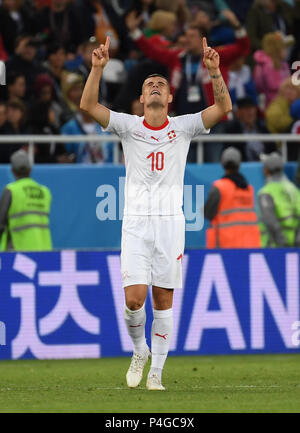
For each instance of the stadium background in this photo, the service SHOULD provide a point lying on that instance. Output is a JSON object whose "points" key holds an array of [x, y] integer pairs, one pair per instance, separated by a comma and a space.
{"points": [[233, 302]]}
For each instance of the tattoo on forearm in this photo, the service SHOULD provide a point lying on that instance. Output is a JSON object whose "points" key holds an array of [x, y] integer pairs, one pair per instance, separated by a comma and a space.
{"points": [[220, 90]]}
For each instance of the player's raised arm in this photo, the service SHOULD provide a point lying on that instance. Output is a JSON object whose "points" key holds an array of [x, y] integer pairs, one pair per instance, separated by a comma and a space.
{"points": [[89, 99], [223, 104]]}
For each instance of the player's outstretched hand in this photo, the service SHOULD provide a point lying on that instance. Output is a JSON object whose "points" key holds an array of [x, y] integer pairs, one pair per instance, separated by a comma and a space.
{"points": [[100, 55], [211, 58]]}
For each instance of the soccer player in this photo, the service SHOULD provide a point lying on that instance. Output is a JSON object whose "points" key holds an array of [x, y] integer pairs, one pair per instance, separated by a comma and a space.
{"points": [[155, 149]]}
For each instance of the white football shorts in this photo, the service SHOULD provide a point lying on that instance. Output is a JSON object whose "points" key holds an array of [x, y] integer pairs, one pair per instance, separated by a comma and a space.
{"points": [[152, 249]]}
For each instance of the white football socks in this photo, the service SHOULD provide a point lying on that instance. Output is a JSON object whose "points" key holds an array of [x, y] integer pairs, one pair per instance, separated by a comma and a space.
{"points": [[135, 322], [161, 335]]}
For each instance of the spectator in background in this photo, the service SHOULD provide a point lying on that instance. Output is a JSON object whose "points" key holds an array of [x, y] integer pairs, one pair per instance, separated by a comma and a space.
{"points": [[3, 115], [24, 210], [16, 125], [143, 8], [161, 28], [4, 129], [230, 208], [54, 66], [271, 65], [44, 118], [268, 16], [61, 23], [279, 118], [6, 149], [241, 84], [24, 62], [279, 206], [17, 116], [14, 21], [178, 7], [218, 32], [82, 123], [100, 19], [72, 88], [44, 95], [42, 122], [104, 27], [87, 152], [16, 85], [55, 69], [247, 122], [278, 114]]}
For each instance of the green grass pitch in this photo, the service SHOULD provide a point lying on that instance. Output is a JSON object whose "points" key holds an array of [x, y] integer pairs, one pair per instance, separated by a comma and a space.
{"points": [[248, 383]]}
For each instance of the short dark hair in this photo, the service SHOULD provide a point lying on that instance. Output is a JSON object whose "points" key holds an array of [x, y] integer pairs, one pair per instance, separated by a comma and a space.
{"points": [[157, 75], [245, 102], [54, 47]]}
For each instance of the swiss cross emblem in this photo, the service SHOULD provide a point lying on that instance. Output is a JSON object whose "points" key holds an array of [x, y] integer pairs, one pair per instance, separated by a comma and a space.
{"points": [[171, 135]]}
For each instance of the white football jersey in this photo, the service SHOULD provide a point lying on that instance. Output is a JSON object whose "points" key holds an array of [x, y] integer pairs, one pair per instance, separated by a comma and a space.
{"points": [[155, 160]]}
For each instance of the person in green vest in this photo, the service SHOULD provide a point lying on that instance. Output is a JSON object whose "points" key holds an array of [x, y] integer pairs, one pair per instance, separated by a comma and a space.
{"points": [[24, 210], [279, 206]]}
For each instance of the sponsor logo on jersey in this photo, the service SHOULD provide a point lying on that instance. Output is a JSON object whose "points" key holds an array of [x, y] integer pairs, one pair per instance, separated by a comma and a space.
{"points": [[139, 134]]}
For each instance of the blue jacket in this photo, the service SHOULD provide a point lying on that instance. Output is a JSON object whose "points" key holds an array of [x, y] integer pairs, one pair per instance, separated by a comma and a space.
{"points": [[73, 127]]}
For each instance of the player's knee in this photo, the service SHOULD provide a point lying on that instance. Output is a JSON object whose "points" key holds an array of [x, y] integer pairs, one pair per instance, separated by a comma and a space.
{"points": [[134, 303]]}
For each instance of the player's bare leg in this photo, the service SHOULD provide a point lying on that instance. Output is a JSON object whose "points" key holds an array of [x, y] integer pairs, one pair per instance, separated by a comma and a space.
{"points": [[135, 319], [161, 335]]}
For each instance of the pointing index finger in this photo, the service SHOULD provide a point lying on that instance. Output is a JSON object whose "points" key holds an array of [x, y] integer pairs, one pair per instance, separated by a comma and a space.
{"points": [[107, 43], [204, 41]]}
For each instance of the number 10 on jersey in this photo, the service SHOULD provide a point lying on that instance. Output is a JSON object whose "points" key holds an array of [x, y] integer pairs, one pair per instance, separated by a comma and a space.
{"points": [[157, 160]]}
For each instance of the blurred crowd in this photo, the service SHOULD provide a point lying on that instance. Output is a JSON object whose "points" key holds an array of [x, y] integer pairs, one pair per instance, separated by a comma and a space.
{"points": [[47, 47]]}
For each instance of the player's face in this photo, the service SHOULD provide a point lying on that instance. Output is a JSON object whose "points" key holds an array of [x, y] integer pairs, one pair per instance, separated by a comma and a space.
{"points": [[156, 92]]}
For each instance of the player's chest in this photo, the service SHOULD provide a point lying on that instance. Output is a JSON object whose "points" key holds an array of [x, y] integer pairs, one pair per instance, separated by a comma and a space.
{"points": [[155, 152], [145, 141]]}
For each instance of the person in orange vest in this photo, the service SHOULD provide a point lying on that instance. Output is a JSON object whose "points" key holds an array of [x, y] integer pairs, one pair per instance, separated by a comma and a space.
{"points": [[230, 208]]}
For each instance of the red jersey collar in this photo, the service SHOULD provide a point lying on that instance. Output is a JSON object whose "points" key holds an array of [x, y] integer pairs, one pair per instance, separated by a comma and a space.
{"points": [[156, 128]]}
